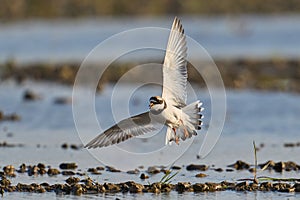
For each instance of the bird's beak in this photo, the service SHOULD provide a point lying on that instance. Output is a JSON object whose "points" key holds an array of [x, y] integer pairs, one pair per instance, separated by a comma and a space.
{"points": [[150, 105]]}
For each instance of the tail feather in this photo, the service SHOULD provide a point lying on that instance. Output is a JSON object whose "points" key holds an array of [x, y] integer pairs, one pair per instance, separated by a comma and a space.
{"points": [[191, 119]]}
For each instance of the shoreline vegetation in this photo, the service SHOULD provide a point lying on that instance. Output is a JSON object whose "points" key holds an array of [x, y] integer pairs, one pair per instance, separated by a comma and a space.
{"points": [[266, 74], [27, 9]]}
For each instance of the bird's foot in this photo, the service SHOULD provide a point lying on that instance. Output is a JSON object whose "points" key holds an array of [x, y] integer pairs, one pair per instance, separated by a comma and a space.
{"points": [[186, 133], [177, 140]]}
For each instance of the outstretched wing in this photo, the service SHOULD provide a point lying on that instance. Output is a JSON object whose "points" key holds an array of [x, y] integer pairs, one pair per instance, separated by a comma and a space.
{"points": [[125, 129], [174, 67]]}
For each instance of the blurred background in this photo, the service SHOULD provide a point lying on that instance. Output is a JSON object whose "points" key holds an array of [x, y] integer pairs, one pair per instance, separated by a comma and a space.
{"points": [[255, 44]]}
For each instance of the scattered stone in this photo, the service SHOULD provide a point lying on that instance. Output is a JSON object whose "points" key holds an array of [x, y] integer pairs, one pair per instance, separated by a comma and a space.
{"points": [[62, 100], [143, 176], [212, 187], [136, 188], [219, 170], [9, 170], [279, 166], [289, 145], [135, 171], [4, 181], [68, 166], [30, 96], [200, 187], [176, 167], [75, 147], [266, 186], [229, 170], [64, 146], [183, 187], [201, 175], [197, 167], [100, 168], [297, 187], [239, 165], [72, 180], [68, 173], [112, 188], [112, 169], [153, 170], [53, 172], [22, 168], [94, 171], [77, 190]]}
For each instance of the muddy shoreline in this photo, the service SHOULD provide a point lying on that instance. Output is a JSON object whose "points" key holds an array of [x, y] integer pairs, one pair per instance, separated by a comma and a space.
{"points": [[78, 182], [268, 74]]}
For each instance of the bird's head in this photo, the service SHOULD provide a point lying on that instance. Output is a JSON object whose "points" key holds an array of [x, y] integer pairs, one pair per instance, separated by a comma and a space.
{"points": [[157, 104]]}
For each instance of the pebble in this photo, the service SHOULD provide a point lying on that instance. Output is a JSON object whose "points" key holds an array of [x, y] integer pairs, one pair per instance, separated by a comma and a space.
{"points": [[201, 175], [143, 176], [135, 171], [62, 100], [192, 167], [68, 166], [153, 170], [30, 96], [112, 169], [239, 165], [53, 172], [9, 170]]}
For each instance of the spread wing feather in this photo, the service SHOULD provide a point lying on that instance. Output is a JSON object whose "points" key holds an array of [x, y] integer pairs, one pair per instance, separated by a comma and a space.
{"points": [[125, 129], [174, 67]]}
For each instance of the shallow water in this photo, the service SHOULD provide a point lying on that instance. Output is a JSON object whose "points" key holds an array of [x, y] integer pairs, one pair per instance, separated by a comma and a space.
{"points": [[266, 117], [256, 36]]}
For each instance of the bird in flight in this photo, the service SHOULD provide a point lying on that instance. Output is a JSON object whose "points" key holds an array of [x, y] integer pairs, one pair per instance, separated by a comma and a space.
{"points": [[169, 109]]}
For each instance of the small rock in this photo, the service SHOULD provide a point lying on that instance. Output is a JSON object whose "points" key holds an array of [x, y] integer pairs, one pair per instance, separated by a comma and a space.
{"points": [[113, 188], [219, 170], [30, 96], [239, 165], [53, 172], [297, 187], [229, 170], [4, 181], [153, 170], [143, 176], [265, 186], [286, 145], [9, 170], [200, 187], [279, 166], [68, 166], [62, 100], [68, 173], [100, 168], [112, 169], [72, 180], [135, 171], [201, 175], [77, 190], [196, 167], [212, 187], [183, 186], [136, 188], [64, 146], [176, 167], [94, 171], [22, 168]]}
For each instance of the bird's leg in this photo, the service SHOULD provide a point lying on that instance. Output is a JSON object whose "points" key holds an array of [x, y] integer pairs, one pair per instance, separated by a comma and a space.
{"points": [[186, 133], [176, 137]]}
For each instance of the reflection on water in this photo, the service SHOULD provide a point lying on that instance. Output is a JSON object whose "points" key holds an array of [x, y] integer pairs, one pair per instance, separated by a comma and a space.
{"points": [[254, 36]]}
